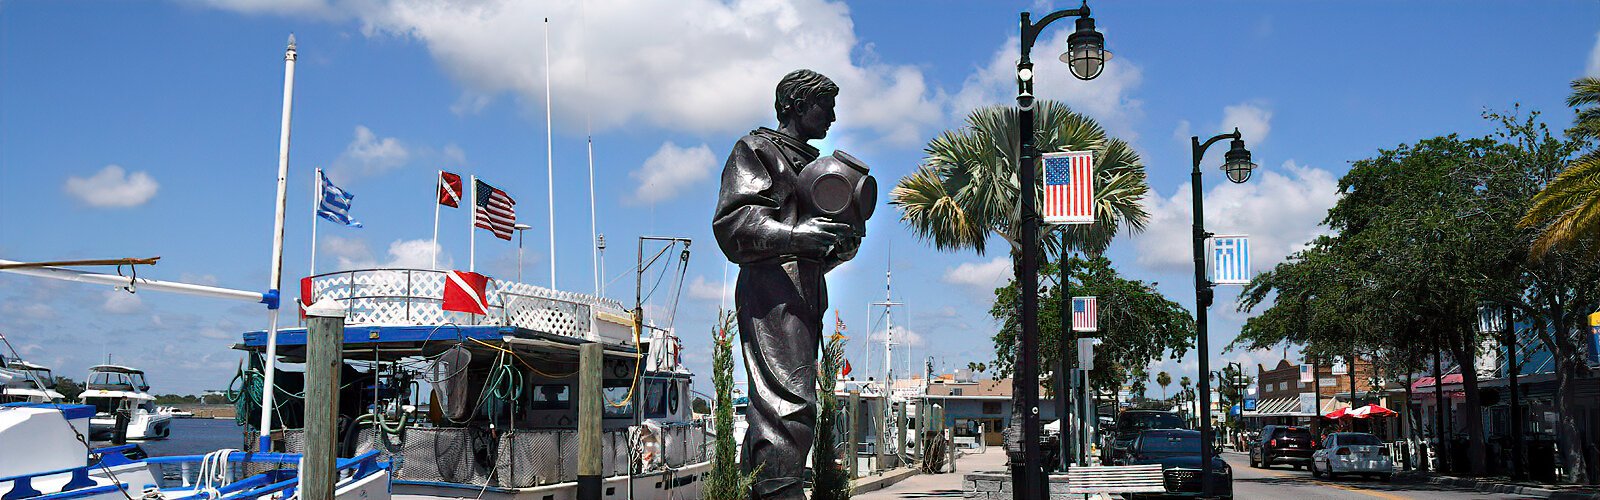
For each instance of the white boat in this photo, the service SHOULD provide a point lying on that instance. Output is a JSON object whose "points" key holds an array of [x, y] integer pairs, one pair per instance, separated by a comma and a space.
{"points": [[59, 466], [114, 390], [27, 382], [174, 412]]}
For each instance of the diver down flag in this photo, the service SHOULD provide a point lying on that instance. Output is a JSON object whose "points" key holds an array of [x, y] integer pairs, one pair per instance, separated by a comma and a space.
{"points": [[464, 292], [1230, 260]]}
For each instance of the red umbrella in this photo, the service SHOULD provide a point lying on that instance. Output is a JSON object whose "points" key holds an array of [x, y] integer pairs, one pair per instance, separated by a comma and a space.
{"points": [[1372, 411], [1337, 414]]}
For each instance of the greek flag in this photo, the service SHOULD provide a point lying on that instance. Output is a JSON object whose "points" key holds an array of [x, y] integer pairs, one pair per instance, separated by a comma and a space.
{"points": [[1230, 260], [335, 203]]}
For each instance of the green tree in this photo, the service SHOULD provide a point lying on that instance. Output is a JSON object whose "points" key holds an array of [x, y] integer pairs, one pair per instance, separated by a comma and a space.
{"points": [[68, 388], [832, 479], [966, 190], [1567, 211], [726, 481], [1163, 380], [1136, 382]]}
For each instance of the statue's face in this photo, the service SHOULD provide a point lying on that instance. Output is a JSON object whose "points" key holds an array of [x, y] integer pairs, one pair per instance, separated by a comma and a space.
{"points": [[813, 121]]}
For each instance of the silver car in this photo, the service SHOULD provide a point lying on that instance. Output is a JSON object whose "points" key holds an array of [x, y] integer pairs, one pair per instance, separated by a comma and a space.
{"points": [[1356, 453]]}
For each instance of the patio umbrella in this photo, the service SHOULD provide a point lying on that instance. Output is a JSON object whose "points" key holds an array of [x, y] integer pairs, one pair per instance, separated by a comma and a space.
{"points": [[1371, 411], [1337, 414]]}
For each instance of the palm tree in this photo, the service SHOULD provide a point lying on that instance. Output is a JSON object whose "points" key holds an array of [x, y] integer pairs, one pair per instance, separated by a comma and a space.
{"points": [[1163, 380], [1567, 212], [967, 190]]}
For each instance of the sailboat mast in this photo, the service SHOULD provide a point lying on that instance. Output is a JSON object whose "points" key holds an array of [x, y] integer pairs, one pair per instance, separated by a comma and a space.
{"points": [[289, 57], [550, 155]]}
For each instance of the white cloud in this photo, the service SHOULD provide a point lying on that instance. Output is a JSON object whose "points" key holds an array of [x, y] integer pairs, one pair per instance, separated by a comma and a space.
{"points": [[112, 187], [980, 277], [699, 66], [1279, 209], [1253, 120], [1106, 98], [354, 253], [198, 279], [703, 289], [1594, 58], [669, 171], [27, 310], [121, 302], [369, 154], [902, 336]]}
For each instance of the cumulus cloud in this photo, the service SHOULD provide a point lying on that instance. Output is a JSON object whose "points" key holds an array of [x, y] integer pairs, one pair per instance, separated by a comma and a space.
{"points": [[704, 289], [980, 277], [121, 302], [1253, 119], [1594, 58], [700, 66], [669, 171], [354, 253], [113, 187], [367, 154], [1106, 98], [1280, 209], [902, 336]]}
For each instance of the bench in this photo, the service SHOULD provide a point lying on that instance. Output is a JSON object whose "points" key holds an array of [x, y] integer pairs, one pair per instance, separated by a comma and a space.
{"points": [[1086, 480]]}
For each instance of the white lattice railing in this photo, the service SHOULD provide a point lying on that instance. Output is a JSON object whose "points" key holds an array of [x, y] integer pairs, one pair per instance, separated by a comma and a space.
{"points": [[413, 297]]}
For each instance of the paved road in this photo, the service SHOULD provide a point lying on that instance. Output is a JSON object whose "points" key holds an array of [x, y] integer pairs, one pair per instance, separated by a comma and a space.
{"points": [[1284, 483]]}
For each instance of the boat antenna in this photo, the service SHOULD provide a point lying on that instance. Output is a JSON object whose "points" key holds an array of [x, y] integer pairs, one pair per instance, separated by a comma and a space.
{"points": [[550, 158]]}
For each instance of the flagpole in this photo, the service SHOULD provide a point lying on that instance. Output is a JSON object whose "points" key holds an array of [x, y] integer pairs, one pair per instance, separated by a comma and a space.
{"points": [[265, 442], [438, 182], [472, 236], [550, 159], [316, 203]]}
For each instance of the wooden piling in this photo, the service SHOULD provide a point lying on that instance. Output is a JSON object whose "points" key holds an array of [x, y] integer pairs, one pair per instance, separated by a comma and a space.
{"points": [[591, 401], [324, 357], [855, 434]]}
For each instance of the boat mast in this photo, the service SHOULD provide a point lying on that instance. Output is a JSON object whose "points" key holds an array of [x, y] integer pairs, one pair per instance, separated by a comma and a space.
{"points": [[550, 158], [277, 249]]}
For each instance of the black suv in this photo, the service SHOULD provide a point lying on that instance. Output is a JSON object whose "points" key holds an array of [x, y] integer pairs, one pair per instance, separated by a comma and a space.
{"points": [[1129, 424], [1283, 444]]}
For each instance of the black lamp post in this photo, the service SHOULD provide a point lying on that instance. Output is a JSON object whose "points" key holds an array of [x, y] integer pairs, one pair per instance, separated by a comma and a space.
{"points": [[1494, 318], [1237, 165], [1086, 57]]}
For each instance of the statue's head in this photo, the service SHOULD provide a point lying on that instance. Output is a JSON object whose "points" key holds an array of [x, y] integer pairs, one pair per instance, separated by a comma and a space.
{"points": [[805, 104]]}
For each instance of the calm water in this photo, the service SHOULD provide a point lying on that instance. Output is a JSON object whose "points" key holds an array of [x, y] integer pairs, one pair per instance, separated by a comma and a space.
{"points": [[194, 436]]}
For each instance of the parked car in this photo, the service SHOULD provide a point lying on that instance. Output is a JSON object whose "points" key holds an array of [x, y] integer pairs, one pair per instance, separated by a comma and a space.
{"points": [[1129, 424], [1352, 453], [1283, 444], [1178, 453]]}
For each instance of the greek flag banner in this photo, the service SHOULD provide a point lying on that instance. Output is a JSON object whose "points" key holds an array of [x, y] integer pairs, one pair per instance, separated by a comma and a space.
{"points": [[335, 204], [1230, 260]]}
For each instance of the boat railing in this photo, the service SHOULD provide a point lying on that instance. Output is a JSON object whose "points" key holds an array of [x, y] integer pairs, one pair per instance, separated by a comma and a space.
{"points": [[416, 297]]}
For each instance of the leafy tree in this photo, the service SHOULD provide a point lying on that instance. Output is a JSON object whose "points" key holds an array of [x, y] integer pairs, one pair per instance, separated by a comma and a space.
{"points": [[832, 479], [701, 406], [1137, 324], [1137, 378], [68, 388], [1567, 211], [1163, 380], [726, 481]]}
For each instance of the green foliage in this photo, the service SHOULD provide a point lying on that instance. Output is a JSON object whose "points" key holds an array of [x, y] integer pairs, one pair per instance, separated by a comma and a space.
{"points": [[1137, 324], [1567, 211], [68, 388], [701, 406], [1163, 379], [174, 399], [832, 480], [725, 482]]}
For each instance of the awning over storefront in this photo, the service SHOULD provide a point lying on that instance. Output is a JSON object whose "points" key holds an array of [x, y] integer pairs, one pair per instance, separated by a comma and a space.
{"points": [[1423, 388], [1279, 407]]}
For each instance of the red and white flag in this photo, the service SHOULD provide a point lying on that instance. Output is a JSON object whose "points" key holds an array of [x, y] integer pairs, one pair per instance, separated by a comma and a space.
{"points": [[1085, 314], [1068, 188], [464, 292], [494, 210], [449, 189]]}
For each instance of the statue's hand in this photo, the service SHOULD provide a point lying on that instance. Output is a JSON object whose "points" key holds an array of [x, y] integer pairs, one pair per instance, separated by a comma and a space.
{"points": [[847, 247], [818, 236]]}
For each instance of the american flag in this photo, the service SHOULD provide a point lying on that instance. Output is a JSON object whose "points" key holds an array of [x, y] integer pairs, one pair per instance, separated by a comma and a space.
{"points": [[1069, 187], [493, 210], [1085, 314], [449, 189]]}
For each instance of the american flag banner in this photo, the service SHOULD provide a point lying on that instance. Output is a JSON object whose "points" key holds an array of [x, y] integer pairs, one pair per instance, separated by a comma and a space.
{"points": [[494, 210], [1068, 188], [1085, 314], [335, 203], [1230, 260], [449, 189]]}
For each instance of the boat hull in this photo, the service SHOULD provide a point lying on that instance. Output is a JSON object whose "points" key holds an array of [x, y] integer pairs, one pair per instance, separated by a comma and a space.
{"points": [[683, 482]]}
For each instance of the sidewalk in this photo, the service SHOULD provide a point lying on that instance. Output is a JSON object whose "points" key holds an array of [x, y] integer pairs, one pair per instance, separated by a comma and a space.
{"points": [[1505, 485], [945, 485]]}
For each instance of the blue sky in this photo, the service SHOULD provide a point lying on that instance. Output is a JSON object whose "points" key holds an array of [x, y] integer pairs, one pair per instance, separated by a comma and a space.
{"points": [[152, 129]]}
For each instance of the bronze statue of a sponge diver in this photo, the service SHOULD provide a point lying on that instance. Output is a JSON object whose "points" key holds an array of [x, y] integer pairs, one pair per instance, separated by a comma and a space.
{"points": [[787, 217]]}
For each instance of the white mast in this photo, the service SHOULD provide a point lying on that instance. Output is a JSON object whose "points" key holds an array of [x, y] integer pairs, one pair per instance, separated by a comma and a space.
{"points": [[277, 249], [550, 158]]}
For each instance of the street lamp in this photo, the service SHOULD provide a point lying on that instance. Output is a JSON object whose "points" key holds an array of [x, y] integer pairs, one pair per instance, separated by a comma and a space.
{"points": [[1085, 57], [520, 229], [1237, 165], [1494, 318]]}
